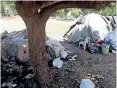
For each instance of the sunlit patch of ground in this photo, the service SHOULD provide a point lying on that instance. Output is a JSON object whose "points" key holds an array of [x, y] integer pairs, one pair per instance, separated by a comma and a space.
{"points": [[54, 28]]}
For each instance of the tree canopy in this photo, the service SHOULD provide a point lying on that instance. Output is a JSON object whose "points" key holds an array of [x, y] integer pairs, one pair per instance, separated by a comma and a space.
{"points": [[109, 10], [8, 8]]}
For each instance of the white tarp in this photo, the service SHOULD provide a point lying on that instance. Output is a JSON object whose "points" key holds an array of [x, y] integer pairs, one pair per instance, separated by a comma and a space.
{"points": [[94, 26]]}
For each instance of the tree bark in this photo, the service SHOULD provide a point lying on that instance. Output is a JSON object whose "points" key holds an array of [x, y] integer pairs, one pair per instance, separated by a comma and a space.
{"points": [[35, 24], [36, 33]]}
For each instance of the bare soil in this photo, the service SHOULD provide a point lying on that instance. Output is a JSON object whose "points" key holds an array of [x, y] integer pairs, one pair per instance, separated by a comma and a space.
{"points": [[72, 72]]}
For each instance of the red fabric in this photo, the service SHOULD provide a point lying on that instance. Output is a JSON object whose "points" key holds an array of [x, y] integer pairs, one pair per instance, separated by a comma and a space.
{"points": [[99, 41]]}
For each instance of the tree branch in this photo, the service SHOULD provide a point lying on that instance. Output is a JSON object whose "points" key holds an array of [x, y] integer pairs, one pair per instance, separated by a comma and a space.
{"points": [[68, 4], [43, 4], [74, 4]]}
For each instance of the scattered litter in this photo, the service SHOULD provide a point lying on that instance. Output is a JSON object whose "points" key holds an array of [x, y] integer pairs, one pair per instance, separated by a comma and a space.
{"points": [[73, 57], [57, 62], [87, 83], [57, 48], [114, 51], [29, 76], [14, 85]]}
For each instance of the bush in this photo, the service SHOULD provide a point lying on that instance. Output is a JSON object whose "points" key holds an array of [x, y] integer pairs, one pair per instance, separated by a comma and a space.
{"points": [[75, 13], [8, 8], [108, 10]]}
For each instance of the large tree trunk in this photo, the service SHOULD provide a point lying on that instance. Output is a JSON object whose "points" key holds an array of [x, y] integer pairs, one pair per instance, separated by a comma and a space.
{"points": [[35, 24], [36, 36]]}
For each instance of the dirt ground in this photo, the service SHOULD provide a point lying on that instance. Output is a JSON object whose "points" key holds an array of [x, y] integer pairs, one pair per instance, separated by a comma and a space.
{"points": [[70, 75], [72, 72]]}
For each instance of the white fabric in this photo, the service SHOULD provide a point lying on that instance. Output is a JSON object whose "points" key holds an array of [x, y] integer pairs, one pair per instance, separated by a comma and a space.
{"points": [[97, 23], [55, 43], [94, 26]]}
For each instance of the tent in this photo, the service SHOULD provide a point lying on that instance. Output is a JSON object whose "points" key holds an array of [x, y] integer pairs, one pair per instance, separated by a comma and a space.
{"points": [[92, 25]]}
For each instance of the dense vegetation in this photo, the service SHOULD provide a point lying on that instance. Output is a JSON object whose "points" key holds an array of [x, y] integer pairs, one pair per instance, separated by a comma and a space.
{"points": [[8, 9], [70, 13]]}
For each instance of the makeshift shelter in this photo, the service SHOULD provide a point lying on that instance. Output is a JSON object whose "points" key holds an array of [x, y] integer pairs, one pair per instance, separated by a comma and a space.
{"points": [[92, 25]]}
